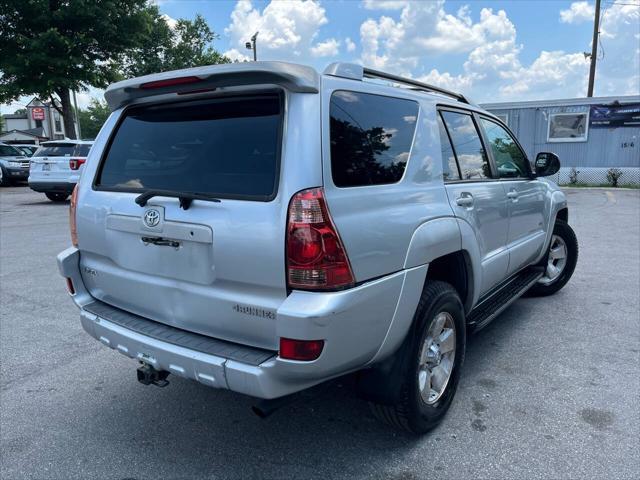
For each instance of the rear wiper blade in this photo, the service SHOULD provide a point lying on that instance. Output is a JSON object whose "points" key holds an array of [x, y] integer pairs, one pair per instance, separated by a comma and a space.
{"points": [[185, 197]]}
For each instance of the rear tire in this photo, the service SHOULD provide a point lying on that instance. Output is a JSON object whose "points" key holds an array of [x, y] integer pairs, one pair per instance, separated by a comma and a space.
{"points": [[564, 246], [57, 197], [421, 405]]}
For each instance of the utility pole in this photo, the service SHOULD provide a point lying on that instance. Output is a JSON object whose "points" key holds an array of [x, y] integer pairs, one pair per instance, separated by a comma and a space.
{"points": [[594, 49], [252, 45]]}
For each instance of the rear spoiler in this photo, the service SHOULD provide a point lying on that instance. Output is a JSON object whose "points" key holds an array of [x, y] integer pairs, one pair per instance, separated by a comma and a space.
{"points": [[297, 78]]}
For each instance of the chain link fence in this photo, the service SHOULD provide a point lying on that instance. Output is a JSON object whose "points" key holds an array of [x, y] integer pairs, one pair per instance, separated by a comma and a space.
{"points": [[568, 176]]}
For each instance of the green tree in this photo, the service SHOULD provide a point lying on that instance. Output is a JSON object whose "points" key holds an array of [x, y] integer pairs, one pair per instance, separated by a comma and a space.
{"points": [[188, 44], [92, 119], [49, 47]]}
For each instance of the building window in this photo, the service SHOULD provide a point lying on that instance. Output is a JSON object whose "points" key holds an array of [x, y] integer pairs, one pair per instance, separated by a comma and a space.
{"points": [[56, 121], [38, 123], [568, 127]]}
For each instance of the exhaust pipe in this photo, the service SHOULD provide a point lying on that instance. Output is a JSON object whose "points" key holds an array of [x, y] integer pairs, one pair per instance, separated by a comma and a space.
{"points": [[147, 375]]}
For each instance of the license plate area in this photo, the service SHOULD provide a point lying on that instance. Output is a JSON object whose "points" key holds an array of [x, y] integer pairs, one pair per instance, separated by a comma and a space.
{"points": [[46, 167]]}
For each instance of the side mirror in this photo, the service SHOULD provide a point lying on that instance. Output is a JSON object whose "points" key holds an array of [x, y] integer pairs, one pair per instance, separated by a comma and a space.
{"points": [[547, 164]]}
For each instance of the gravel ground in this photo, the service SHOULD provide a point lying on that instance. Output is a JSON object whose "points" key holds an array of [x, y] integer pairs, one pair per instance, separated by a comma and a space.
{"points": [[551, 389]]}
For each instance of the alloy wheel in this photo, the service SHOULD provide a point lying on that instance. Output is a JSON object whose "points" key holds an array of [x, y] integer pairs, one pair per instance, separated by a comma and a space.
{"points": [[437, 358], [556, 262]]}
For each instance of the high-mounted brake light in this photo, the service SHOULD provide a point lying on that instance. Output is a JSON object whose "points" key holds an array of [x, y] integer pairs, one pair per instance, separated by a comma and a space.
{"points": [[301, 350], [76, 163], [169, 82], [316, 258], [72, 216]]}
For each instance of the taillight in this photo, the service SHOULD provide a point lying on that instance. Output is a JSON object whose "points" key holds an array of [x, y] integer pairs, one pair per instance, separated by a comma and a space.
{"points": [[316, 259], [170, 82], [302, 350], [72, 216], [76, 163]]}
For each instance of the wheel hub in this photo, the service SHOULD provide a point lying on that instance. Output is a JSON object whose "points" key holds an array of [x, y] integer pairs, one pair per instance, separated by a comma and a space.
{"points": [[434, 355]]}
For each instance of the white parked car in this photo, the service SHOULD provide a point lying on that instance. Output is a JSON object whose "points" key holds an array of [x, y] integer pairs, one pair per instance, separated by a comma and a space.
{"points": [[56, 167]]}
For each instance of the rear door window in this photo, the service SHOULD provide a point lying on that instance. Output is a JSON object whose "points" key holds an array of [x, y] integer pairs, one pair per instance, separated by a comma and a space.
{"points": [[371, 138], [449, 166], [227, 148], [471, 156]]}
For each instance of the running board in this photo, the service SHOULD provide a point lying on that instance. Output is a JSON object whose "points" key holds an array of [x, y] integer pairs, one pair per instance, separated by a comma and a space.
{"points": [[496, 303]]}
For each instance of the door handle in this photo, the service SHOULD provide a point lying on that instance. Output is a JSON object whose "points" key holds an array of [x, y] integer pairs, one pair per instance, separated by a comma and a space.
{"points": [[465, 200], [512, 194]]}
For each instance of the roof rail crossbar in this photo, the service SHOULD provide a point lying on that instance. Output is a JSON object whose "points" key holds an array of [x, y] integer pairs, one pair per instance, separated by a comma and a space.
{"points": [[370, 73], [357, 72]]}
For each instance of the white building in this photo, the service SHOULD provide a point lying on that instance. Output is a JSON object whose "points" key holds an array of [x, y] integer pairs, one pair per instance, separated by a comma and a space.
{"points": [[41, 122]]}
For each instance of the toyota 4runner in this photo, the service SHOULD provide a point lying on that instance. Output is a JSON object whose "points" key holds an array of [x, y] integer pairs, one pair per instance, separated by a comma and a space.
{"points": [[262, 228]]}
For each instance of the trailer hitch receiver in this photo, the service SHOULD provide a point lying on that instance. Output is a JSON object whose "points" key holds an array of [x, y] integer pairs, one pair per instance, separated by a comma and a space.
{"points": [[147, 375]]}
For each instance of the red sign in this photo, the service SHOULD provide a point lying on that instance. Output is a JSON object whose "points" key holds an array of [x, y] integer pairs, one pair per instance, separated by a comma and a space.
{"points": [[37, 113]]}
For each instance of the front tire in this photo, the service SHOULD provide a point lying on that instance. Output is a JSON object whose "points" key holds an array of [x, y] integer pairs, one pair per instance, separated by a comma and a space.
{"points": [[57, 197], [435, 353], [4, 178], [560, 261]]}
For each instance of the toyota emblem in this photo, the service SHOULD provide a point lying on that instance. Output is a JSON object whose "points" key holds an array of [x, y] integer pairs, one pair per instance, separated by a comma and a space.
{"points": [[151, 218]]}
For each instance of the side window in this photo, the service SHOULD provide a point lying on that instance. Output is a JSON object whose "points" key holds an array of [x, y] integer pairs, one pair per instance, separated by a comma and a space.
{"points": [[472, 159], [449, 166], [510, 160], [371, 137]]}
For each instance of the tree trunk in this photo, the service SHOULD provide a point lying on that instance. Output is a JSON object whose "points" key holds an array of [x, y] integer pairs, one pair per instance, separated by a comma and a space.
{"points": [[67, 113]]}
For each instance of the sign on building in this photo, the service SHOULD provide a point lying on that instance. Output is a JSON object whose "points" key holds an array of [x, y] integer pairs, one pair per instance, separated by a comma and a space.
{"points": [[37, 113], [612, 116]]}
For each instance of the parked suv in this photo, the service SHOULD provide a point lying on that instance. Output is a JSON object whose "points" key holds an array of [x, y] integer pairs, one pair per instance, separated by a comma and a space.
{"points": [[56, 167], [14, 165], [261, 228]]}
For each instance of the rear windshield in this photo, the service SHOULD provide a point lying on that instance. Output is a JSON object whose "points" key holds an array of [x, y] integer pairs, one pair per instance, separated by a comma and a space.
{"points": [[7, 151], [56, 150], [226, 148]]}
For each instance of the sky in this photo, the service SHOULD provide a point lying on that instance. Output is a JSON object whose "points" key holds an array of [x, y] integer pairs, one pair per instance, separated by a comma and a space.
{"points": [[489, 50]]}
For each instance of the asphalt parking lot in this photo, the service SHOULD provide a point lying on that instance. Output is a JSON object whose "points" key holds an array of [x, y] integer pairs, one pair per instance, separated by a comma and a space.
{"points": [[549, 390]]}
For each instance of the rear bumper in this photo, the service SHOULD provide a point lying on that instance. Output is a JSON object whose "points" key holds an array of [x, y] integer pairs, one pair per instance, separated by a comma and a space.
{"points": [[51, 187], [359, 326]]}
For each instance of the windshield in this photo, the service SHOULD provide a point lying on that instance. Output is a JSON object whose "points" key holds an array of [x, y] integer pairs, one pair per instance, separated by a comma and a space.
{"points": [[224, 148], [9, 151], [27, 150]]}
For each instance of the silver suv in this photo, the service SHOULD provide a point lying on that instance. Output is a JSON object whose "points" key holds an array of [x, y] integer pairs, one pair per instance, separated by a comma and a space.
{"points": [[262, 228]]}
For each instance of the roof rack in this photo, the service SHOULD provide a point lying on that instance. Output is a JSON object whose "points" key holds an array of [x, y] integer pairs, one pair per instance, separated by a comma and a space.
{"points": [[358, 72]]}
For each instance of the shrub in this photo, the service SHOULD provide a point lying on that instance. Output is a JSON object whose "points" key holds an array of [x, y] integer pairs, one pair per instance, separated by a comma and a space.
{"points": [[613, 175], [573, 176]]}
